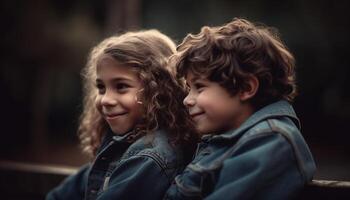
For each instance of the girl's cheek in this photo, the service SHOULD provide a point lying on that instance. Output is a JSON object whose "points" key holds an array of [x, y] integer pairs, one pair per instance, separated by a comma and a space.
{"points": [[98, 102]]}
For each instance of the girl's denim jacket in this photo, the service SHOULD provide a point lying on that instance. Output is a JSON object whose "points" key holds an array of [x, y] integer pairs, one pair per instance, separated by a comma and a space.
{"points": [[265, 158], [141, 170]]}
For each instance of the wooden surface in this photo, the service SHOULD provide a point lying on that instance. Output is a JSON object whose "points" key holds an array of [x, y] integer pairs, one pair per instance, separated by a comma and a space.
{"points": [[25, 181]]}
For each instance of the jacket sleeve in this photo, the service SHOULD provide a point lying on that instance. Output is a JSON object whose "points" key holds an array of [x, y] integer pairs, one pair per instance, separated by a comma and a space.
{"points": [[72, 187], [262, 167], [138, 177]]}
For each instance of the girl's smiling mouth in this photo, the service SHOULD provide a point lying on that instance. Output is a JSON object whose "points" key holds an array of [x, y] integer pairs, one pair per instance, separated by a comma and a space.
{"points": [[114, 115]]}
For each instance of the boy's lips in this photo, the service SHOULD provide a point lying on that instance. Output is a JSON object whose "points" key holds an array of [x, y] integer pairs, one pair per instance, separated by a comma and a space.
{"points": [[195, 115]]}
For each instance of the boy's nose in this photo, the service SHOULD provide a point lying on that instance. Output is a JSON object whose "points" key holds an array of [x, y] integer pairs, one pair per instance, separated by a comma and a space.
{"points": [[189, 101]]}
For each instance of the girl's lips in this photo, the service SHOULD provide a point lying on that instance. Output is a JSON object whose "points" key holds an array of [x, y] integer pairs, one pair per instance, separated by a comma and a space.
{"points": [[112, 116]]}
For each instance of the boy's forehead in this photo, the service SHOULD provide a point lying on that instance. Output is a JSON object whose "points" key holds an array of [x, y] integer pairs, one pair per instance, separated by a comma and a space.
{"points": [[192, 77], [189, 76]]}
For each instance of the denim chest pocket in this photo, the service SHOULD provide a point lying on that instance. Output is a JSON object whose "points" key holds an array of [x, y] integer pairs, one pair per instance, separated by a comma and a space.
{"points": [[209, 159], [155, 156], [194, 184], [200, 176], [107, 177], [113, 165]]}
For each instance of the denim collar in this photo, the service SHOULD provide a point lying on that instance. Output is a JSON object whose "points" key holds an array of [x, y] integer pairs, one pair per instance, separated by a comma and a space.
{"points": [[278, 109], [110, 136], [127, 137]]}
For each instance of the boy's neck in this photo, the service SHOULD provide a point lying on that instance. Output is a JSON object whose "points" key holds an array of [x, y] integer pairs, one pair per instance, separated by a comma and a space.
{"points": [[247, 111]]}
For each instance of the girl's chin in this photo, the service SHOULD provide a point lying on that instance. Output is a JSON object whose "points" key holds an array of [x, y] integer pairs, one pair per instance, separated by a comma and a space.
{"points": [[120, 131]]}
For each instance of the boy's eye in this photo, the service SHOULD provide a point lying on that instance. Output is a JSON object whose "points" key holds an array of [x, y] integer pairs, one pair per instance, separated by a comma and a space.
{"points": [[199, 86]]}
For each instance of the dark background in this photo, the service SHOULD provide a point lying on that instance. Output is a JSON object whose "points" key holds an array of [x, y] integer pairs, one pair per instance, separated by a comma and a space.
{"points": [[44, 44]]}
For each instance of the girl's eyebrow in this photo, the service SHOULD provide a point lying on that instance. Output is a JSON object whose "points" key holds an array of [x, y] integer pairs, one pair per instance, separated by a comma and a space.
{"points": [[118, 79]]}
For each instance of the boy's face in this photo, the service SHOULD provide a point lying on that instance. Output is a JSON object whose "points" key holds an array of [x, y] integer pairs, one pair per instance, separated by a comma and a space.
{"points": [[211, 107], [118, 87]]}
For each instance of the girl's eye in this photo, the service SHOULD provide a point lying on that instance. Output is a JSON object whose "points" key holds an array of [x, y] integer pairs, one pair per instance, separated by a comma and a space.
{"points": [[101, 88], [122, 87]]}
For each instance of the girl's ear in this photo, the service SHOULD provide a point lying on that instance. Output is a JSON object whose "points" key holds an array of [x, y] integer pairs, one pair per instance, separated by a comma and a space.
{"points": [[251, 89], [140, 92]]}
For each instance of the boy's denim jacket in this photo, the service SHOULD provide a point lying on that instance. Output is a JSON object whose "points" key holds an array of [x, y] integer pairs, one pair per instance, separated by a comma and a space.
{"points": [[265, 158], [141, 170]]}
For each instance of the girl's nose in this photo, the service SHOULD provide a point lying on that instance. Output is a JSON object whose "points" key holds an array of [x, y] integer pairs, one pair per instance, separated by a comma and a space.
{"points": [[189, 100], [108, 100]]}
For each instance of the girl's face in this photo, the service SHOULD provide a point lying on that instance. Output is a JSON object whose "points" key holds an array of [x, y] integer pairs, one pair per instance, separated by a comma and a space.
{"points": [[117, 100]]}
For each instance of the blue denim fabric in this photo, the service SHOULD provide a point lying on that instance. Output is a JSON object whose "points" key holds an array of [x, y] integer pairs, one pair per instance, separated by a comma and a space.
{"points": [[265, 158], [141, 170]]}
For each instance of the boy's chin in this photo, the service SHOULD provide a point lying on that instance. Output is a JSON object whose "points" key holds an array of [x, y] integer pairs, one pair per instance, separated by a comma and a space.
{"points": [[204, 130], [210, 130]]}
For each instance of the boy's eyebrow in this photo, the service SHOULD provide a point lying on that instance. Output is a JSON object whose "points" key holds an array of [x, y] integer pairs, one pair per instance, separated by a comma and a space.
{"points": [[194, 79]]}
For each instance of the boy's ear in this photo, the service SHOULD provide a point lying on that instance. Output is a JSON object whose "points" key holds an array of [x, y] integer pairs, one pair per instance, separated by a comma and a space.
{"points": [[251, 89]]}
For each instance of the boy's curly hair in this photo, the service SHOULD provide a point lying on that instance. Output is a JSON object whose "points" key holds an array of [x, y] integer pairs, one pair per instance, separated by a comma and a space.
{"points": [[229, 54], [147, 53]]}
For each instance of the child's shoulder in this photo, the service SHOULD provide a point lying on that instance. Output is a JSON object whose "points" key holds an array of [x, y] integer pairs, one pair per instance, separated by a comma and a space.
{"points": [[156, 145], [285, 125], [278, 117]]}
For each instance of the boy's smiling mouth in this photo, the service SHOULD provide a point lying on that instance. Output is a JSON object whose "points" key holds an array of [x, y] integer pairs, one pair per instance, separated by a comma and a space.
{"points": [[196, 114]]}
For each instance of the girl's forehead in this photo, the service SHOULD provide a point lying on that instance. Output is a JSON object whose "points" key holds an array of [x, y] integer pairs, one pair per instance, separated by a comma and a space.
{"points": [[108, 66], [106, 58]]}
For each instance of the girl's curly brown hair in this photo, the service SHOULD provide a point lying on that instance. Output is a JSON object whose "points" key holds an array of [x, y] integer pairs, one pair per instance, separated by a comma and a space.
{"points": [[147, 53], [229, 54]]}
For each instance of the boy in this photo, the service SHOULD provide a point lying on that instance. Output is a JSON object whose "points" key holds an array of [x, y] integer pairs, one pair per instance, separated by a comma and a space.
{"points": [[241, 81]]}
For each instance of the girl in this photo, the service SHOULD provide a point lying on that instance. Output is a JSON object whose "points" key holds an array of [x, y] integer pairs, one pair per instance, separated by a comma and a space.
{"points": [[130, 123]]}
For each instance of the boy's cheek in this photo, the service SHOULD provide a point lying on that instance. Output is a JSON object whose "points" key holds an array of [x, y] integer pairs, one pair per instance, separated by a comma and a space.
{"points": [[202, 124]]}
